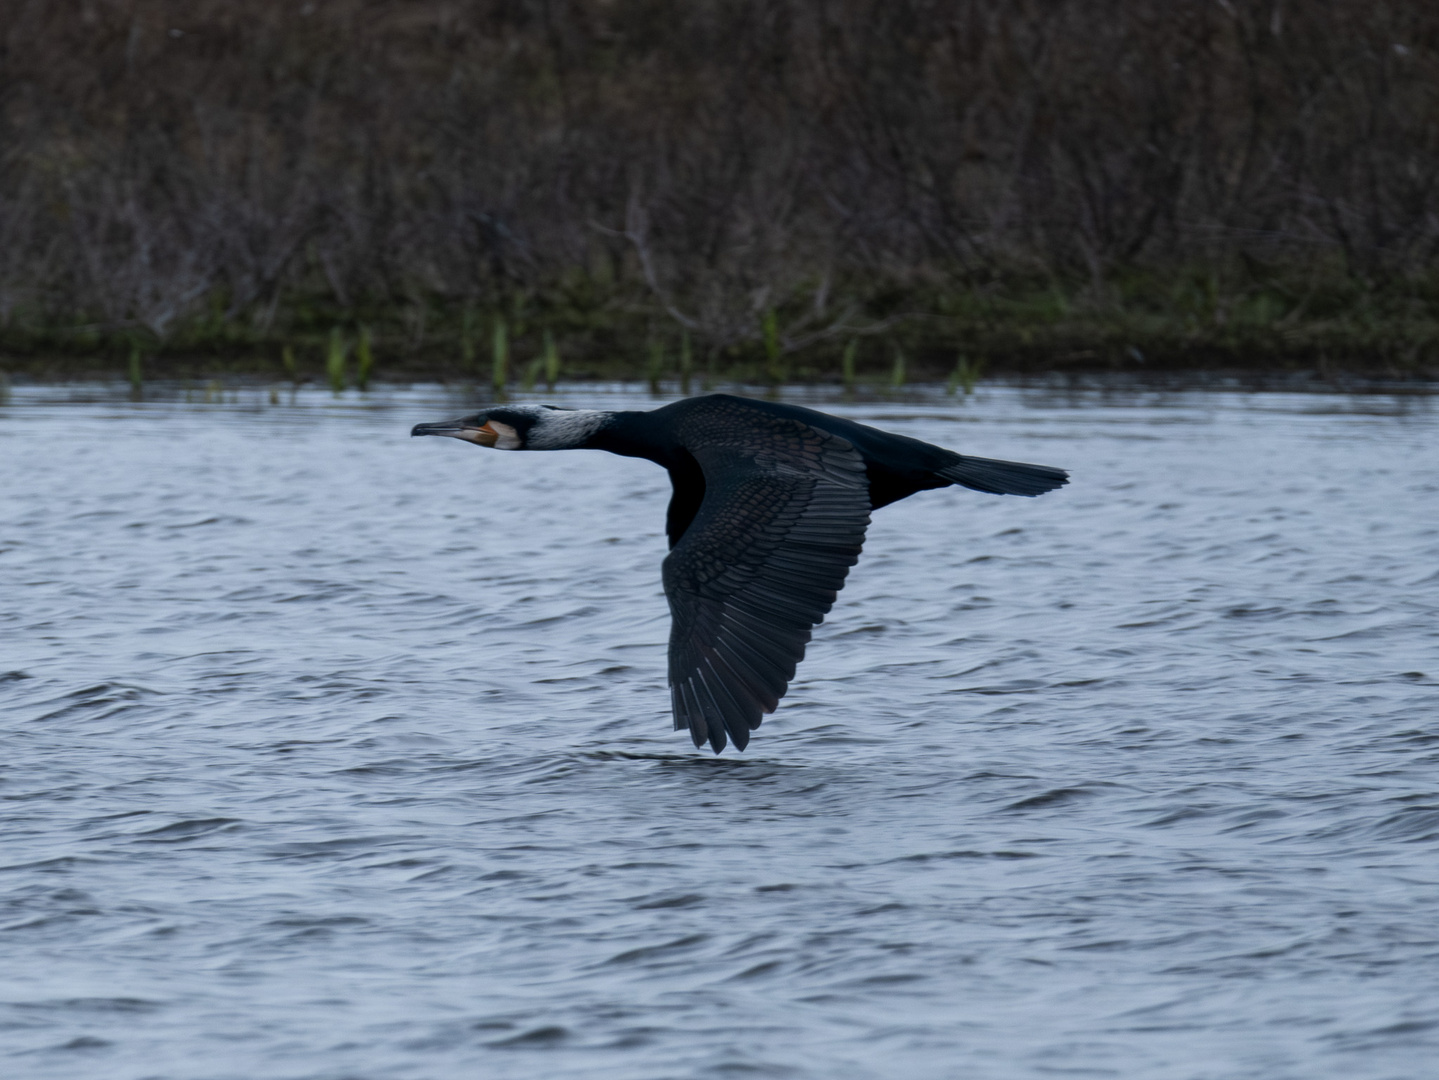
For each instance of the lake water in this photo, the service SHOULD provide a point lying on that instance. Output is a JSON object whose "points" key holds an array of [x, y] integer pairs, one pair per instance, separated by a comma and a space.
{"points": [[329, 754]]}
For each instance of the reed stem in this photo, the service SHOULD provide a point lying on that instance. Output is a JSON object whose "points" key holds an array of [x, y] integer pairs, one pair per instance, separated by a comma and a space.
{"points": [[366, 360], [965, 374], [335, 361], [137, 379], [552, 362], [531, 373], [896, 376]]}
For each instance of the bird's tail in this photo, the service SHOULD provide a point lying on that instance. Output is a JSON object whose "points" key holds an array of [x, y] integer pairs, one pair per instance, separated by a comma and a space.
{"points": [[1003, 477]]}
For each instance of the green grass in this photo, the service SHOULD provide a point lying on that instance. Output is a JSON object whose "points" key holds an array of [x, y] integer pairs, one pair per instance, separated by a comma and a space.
{"points": [[335, 361], [530, 374], [551, 357], [965, 374], [898, 372], [365, 360]]}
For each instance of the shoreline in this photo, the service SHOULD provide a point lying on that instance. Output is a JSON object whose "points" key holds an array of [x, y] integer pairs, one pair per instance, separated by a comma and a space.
{"points": [[1018, 339], [219, 386]]}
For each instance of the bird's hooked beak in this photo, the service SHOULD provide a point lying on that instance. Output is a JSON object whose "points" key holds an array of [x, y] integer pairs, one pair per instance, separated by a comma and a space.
{"points": [[468, 428]]}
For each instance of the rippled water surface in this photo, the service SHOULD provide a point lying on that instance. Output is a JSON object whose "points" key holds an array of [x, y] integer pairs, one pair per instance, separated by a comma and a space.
{"points": [[328, 753]]}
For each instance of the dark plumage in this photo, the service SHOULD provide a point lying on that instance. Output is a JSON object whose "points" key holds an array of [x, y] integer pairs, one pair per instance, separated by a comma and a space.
{"points": [[768, 514]]}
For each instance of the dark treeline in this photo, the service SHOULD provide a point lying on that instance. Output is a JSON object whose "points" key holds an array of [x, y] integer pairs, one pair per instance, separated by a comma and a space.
{"points": [[1036, 181]]}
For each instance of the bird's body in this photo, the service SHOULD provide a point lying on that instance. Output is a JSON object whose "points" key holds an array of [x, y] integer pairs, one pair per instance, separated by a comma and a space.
{"points": [[768, 514]]}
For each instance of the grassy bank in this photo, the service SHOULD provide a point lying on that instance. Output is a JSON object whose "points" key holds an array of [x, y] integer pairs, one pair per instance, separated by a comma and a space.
{"points": [[1253, 319]]}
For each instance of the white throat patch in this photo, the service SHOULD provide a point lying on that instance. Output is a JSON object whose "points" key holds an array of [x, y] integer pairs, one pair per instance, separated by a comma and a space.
{"points": [[506, 437]]}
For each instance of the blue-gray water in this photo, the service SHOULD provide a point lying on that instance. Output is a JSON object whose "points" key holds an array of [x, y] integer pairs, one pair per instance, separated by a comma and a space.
{"points": [[328, 753]]}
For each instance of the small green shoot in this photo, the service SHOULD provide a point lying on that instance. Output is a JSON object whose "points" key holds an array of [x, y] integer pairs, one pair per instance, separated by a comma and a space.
{"points": [[896, 376], [287, 360], [686, 363], [366, 360], [137, 378], [335, 361], [552, 362], [965, 374], [531, 373], [846, 365]]}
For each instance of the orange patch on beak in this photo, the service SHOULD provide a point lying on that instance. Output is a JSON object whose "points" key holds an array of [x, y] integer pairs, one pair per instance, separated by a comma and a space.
{"points": [[485, 436]]}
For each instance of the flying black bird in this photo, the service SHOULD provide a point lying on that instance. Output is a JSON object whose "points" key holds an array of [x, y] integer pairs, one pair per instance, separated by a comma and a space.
{"points": [[768, 514]]}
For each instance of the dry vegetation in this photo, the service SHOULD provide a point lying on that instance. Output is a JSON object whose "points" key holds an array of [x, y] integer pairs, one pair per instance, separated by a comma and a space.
{"points": [[1036, 182]]}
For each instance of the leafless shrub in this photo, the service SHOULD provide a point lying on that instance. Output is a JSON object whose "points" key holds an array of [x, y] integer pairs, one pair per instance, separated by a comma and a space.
{"points": [[707, 162]]}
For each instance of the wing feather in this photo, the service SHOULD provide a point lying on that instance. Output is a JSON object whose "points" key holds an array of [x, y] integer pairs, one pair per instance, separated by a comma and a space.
{"points": [[782, 520]]}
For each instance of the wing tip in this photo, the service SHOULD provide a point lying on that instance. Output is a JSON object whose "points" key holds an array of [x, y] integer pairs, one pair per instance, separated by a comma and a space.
{"points": [[694, 705]]}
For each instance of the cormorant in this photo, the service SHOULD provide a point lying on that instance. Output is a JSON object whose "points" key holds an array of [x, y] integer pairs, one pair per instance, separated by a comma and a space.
{"points": [[768, 514]]}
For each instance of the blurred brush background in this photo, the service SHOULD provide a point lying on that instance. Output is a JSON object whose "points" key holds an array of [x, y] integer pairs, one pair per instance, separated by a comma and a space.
{"points": [[770, 189]]}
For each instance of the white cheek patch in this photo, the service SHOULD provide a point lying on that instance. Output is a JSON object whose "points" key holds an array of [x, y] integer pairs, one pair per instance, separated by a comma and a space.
{"points": [[508, 437]]}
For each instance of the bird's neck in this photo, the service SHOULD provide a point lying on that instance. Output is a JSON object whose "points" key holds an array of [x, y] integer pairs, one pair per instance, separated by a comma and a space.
{"points": [[631, 435]]}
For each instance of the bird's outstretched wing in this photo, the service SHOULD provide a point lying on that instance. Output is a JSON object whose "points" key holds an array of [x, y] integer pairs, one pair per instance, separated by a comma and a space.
{"points": [[782, 521]]}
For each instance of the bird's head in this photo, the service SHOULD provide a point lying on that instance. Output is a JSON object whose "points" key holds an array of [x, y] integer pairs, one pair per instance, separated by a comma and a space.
{"points": [[521, 427]]}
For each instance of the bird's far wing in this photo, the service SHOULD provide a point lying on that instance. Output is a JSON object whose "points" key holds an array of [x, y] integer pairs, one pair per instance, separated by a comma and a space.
{"points": [[1003, 477], [768, 550]]}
